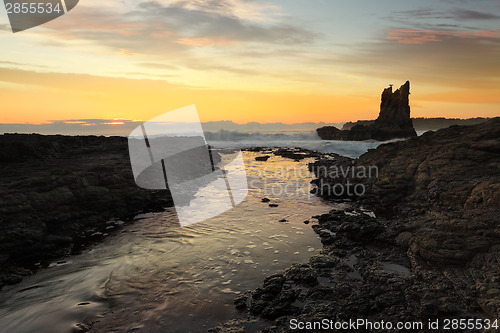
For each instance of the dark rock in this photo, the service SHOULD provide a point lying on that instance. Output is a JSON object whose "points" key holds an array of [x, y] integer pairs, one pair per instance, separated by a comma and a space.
{"points": [[59, 240], [81, 327], [265, 200], [273, 205], [241, 302], [255, 149], [395, 109], [264, 299], [262, 158], [283, 220], [425, 124], [296, 154], [302, 274], [55, 189], [10, 279], [329, 133], [232, 326], [288, 153], [323, 261], [347, 126], [393, 121]]}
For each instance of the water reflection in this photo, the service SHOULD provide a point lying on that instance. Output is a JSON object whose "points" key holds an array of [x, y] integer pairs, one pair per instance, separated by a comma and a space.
{"points": [[154, 276]]}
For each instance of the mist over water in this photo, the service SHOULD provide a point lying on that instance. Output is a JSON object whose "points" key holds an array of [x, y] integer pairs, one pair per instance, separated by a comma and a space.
{"points": [[289, 139]]}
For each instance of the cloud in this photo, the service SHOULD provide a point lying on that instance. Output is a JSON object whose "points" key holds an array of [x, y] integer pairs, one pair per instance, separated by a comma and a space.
{"points": [[205, 41], [220, 25], [14, 64], [413, 36], [140, 74], [155, 65], [433, 58], [245, 10], [451, 48], [452, 14], [5, 27], [155, 28], [467, 14], [201, 38]]}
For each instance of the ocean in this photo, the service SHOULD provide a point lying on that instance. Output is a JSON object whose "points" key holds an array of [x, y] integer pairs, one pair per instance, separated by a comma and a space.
{"points": [[290, 139]]}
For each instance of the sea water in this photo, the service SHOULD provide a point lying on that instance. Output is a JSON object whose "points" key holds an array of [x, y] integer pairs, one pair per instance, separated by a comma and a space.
{"points": [[290, 139]]}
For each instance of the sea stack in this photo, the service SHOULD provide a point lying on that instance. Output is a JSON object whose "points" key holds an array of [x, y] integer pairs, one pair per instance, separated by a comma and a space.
{"points": [[395, 112], [393, 120]]}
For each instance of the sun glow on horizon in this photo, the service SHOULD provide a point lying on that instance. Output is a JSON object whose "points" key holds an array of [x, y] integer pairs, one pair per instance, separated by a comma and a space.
{"points": [[273, 61]]}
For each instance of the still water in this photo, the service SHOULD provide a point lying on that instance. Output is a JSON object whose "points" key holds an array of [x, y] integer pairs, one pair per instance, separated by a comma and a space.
{"points": [[155, 276]]}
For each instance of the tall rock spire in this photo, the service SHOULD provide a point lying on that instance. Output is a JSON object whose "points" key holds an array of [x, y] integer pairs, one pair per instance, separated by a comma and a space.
{"points": [[395, 109], [393, 120]]}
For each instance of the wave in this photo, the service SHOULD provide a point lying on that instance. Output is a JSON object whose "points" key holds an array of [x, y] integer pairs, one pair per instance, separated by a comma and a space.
{"points": [[301, 139], [225, 135]]}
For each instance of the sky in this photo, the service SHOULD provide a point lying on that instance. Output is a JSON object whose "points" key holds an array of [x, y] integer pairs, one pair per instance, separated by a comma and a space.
{"points": [[284, 61]]}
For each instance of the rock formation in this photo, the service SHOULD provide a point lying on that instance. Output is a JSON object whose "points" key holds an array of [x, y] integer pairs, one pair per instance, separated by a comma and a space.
{"points": [[393, 121]]}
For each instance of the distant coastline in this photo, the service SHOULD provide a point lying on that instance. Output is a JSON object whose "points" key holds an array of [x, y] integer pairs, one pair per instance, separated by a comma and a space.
{"points": [[109, 127], [427, 124]]}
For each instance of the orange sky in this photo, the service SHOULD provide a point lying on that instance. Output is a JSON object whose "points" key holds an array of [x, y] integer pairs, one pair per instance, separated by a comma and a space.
{"points": [[265, 61], [67, 96]]}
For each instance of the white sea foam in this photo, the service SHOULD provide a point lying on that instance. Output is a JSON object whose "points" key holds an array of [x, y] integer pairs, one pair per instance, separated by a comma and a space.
{"points": [[289, 139]]}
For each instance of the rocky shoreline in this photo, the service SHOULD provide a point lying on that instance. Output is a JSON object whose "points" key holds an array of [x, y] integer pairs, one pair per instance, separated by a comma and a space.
{"points": [[59, 194], [422, 243]]}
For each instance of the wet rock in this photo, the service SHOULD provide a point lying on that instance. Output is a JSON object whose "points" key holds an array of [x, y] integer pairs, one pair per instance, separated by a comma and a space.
{"points": [[81, 327], [296, 154], [9, 279], [323, 261], [232, 326], [241, 302], [302, 274], [264, 299], [425, 124], [448, 248], [59, 240]]}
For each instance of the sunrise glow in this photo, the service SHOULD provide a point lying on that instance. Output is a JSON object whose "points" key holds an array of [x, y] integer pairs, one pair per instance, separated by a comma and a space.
{"points": [[265, 61]]}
